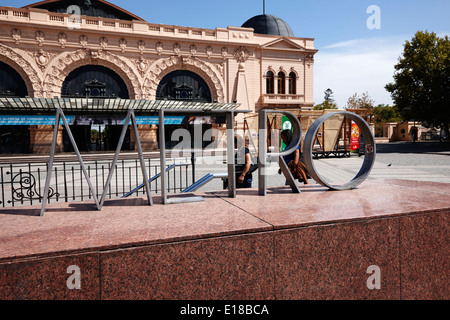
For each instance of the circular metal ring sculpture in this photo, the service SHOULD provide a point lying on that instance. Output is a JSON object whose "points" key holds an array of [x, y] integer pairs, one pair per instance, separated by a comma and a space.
{"points": [[370, 151]]}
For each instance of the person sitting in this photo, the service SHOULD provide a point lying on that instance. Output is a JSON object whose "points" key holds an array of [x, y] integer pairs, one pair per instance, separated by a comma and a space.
{"points": [[244, 177], [293, 160]]}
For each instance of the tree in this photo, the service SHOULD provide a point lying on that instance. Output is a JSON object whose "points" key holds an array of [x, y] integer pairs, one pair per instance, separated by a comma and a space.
{"points": [[94, 135], [421, 84], [328, 101], [363, 102], [383, 114]]}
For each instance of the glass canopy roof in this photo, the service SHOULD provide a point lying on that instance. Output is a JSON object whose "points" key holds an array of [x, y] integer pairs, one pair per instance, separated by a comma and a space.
{"points": [[95, 106]]}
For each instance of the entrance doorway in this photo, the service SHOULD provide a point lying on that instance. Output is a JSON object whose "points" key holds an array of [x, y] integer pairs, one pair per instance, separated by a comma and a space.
{"points": [[91, 134], [14, 139], [82, 137]]}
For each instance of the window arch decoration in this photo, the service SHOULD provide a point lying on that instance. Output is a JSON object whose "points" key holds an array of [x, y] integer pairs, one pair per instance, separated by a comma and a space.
{"points": [[183, 85], [30, 74], [210, 73], [94, 81], [67, 62]]}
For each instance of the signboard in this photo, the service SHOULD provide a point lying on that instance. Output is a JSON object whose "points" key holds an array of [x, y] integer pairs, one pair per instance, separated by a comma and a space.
{"points": [[117, 120], [154, 120], [84, 120], [286, 125], [355, 138], [30, 120]]}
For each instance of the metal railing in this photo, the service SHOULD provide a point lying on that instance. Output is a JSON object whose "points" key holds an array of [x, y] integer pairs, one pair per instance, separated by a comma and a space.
{"points": [[170, 168], [23, 184], [205, 180]]}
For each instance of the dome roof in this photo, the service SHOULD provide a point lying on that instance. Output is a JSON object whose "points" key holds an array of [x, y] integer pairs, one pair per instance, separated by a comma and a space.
{"points": [[269, 24]]}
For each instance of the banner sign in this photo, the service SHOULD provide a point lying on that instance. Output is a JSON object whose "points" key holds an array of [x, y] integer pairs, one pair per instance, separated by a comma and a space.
{"points": [[30, 120], [286, 125], [154, 120], [84, 120], [355, 142]]}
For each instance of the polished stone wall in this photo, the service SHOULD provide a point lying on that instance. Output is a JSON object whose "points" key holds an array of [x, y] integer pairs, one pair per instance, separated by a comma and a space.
{"points": [[387, 240]]}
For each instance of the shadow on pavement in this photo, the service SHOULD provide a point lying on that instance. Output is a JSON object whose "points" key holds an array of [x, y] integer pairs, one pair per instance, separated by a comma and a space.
{"points": [[419, 147]]}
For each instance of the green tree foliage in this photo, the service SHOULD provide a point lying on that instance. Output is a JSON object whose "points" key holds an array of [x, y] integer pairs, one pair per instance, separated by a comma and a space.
{"points": [[94, 135], [383, 114], [361, 102], [328, 102], [421, 86]]}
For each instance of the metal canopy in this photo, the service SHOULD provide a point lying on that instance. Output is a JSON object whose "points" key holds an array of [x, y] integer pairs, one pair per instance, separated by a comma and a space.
{"points": [[98, 105]]}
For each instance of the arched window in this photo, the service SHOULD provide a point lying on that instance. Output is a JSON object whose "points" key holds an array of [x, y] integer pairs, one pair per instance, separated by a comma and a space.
{"points": [[270, 82], [11, 83], [292, 83], [94, 81], [281, 83], [183, 85], [13, 139]]}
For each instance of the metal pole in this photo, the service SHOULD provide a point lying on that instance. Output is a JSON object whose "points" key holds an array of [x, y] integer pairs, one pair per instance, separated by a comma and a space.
{"points": [[262, 159], [193, 166], [141, 158], [50, 162], [230, 156], [162, 148]]}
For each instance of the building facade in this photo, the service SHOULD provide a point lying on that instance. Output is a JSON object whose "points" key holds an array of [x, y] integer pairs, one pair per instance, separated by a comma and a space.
{"points": [[93, 48]]}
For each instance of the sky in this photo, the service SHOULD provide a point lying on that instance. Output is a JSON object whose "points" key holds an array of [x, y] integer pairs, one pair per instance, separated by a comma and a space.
{"points": [[359, 41]]}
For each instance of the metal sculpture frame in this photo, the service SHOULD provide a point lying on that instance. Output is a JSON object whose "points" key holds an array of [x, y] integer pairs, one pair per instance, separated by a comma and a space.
{"points": [[370, 151], [98, 202], [230, 116], [266, 158]]}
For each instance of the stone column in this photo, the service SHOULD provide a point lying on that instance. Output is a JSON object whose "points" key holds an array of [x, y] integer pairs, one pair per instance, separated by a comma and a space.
{"points": [[148, 137], [41, 139]]}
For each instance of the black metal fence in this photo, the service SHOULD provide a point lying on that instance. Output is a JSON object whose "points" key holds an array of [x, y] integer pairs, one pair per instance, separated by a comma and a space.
{"points": [[23, 184]]}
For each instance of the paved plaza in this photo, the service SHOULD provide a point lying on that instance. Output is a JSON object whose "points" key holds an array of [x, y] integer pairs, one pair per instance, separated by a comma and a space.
{"points": [[407, 161], [420, 162]]}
